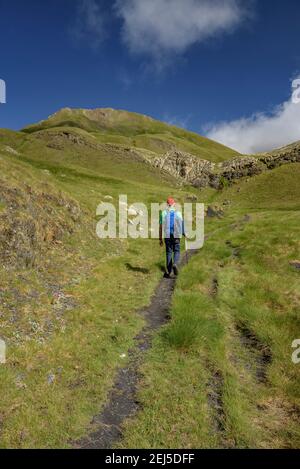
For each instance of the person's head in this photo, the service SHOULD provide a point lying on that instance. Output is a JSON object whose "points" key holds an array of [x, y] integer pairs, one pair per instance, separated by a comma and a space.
{"points": [[170, 202]]}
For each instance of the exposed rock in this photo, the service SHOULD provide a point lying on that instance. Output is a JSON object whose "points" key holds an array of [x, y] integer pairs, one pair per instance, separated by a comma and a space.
{"points": [[295, 264], [214, 211], [239, 167], [185, 166], [202, 173], [11, 150], [30, 222], [191, 198], [50, 378], [19, 381]]}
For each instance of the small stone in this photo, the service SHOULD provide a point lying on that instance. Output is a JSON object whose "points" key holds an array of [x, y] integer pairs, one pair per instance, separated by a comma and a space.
{"points": [[50, 378], [19, 381], [295, 264], [214, 211]]}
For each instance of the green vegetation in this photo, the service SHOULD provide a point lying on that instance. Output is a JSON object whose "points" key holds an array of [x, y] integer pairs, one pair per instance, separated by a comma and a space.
{"points": [[134, 130], [220, 373], [69, 301]]}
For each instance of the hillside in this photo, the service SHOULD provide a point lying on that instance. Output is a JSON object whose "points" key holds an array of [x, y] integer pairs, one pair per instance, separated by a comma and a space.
{"points": [[69, 301], [219, 374], [134, 130]]}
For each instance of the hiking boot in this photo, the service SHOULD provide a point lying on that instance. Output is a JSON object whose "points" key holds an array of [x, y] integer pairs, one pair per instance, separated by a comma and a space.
{"points": [[175, 270], [167, 275]]}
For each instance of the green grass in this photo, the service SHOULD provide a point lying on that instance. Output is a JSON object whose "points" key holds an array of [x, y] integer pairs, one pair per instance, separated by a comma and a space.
{"points": [[203, 384], [81, 346], [199, 386], [135, 130], [272, 190]]}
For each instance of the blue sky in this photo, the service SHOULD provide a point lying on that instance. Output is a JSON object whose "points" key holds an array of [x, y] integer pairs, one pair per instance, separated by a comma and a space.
{"points": [[210, 66]]}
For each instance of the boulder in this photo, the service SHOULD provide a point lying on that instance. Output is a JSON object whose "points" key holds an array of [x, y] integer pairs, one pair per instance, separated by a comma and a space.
{"points": [[214, 211]]}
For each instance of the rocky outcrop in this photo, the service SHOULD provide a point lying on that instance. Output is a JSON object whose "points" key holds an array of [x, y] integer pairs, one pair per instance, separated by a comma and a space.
{"points": [[183, 166], [31, 222], [202, 173]]}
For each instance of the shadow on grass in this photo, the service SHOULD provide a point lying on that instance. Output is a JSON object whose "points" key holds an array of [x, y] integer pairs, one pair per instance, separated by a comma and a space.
{"points": [[133, 268]]}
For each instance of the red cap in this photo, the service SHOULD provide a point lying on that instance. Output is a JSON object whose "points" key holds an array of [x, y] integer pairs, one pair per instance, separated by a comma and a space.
{"points": [[170, 201]]}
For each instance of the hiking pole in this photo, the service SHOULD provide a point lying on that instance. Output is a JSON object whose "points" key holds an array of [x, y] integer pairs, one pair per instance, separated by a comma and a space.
{"points": [[186, 251]]}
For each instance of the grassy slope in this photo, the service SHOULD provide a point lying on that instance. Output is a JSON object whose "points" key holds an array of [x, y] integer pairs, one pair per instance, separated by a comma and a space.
{"points": [[207, 382], [107, 292], [136, 130], [62, 360]]}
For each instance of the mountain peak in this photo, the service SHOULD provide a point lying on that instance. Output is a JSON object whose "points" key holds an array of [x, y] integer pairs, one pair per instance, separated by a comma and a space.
{"points": [[134, 130]]}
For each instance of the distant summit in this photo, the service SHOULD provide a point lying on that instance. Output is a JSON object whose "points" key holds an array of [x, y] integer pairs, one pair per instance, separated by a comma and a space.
{"points": [[134, 130]]}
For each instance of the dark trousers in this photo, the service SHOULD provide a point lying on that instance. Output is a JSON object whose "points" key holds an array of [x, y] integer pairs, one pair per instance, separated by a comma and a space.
{"points": [[172, 252]]}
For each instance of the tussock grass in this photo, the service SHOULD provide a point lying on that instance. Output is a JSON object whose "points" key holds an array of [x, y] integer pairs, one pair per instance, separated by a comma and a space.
{"points": [[61, 362], [236, 340], [201, 370]]}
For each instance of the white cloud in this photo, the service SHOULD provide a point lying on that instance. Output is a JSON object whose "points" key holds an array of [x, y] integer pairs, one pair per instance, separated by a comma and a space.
{"points": [[161, 28], [89, 22], [260, 132]]}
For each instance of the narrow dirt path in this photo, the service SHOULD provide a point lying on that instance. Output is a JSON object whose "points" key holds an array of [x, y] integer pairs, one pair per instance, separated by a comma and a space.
{"points": [[122, 400]]}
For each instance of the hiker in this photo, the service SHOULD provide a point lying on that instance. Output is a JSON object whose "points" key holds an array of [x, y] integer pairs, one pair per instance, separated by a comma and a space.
{"points": [[171, 225]]}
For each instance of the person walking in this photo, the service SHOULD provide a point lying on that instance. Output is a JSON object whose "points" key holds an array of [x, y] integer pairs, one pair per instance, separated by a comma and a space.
{"points": [[171, 227]]}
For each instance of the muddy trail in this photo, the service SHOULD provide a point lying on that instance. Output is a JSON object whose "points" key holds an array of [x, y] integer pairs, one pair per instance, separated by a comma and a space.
{"points": [[259, 354], [122, 400]]}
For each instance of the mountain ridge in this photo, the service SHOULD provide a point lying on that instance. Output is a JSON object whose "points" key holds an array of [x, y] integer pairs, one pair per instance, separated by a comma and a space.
{"points": [[69, 300], [133, 129]]}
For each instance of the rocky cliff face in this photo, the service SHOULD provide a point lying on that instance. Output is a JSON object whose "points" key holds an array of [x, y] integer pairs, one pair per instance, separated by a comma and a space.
{"points": [[182, 165], [203, 173]]}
